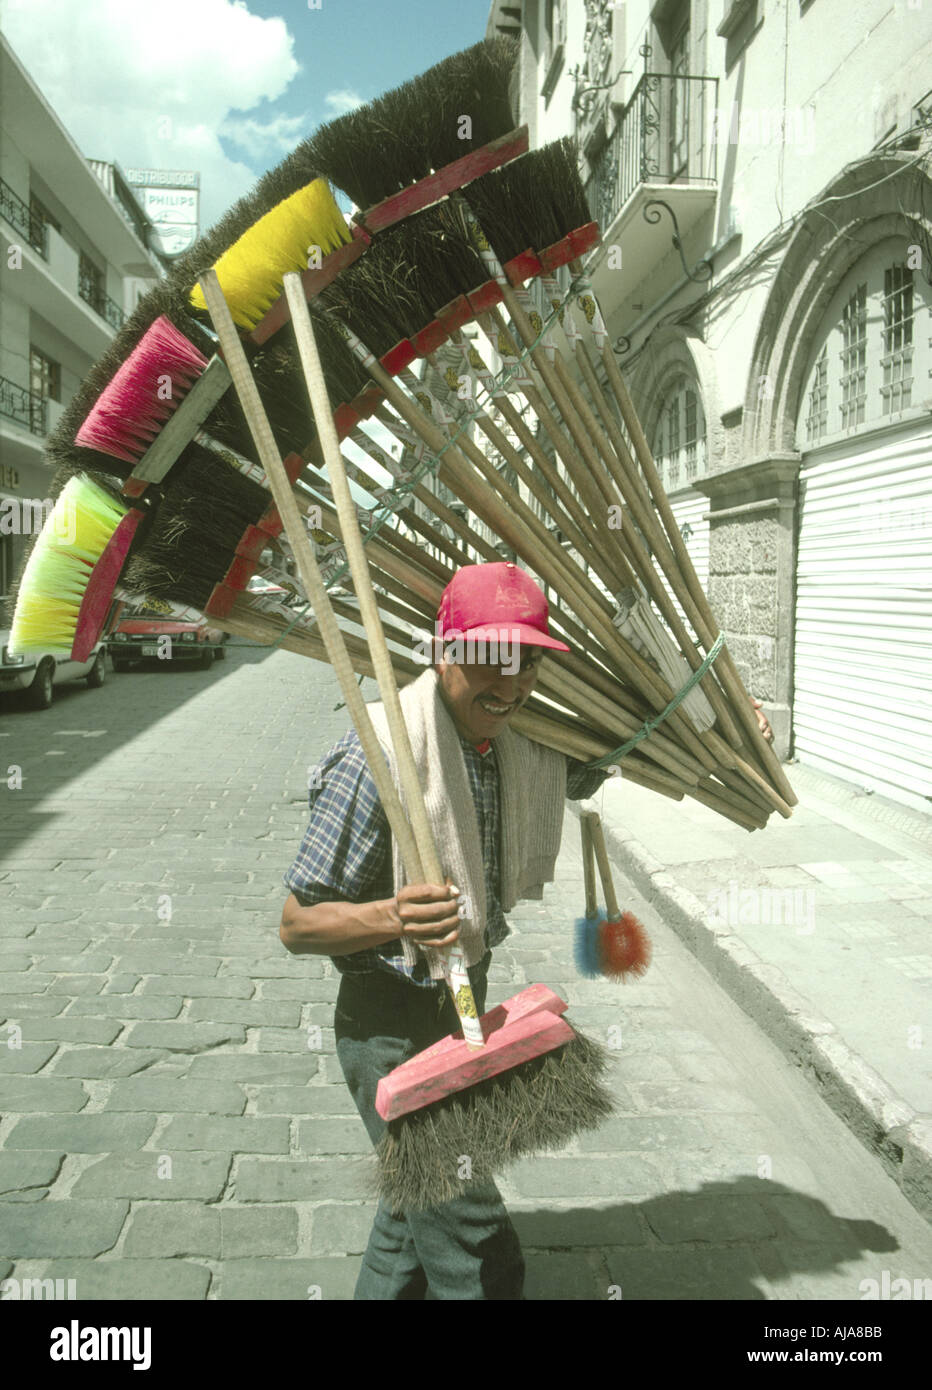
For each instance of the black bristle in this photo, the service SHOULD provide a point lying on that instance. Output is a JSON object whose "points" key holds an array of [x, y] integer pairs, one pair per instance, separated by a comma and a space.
{"points": [[404, 134], [532, 202], [199, 521], [344, 375], [410, 272]]}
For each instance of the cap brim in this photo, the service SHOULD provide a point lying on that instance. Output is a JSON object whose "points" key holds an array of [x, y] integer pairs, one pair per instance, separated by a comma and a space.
{"points": [[522, 633]]}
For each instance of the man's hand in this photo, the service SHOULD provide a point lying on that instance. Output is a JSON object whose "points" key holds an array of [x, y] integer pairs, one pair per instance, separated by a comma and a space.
{"points": [[762, 722], [428, 914]]}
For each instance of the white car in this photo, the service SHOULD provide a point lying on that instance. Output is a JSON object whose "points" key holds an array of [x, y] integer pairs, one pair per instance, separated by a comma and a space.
{"points": [[36, 671]]}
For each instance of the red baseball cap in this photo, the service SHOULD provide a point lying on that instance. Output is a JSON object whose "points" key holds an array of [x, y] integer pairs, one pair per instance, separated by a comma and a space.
{"points": [[496, 602]]}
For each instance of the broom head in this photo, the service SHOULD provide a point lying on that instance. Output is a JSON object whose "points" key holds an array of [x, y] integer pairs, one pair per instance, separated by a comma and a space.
{"points": [[252, 271], [54, 582]]}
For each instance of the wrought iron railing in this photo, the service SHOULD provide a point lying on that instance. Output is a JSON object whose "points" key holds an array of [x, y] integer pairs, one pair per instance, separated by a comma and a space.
{"points": [[664, 135], [26, 407], [21, 216], [90, 291]]}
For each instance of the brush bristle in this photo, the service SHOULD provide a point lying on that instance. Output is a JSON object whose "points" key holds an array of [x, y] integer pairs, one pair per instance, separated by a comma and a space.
{"points": [[55, 579], [252, 270], [406, 133], [410, 272], [586, 946], [624, 946], [204, 510], [532, 202], [537, 1106], [149, 386]]}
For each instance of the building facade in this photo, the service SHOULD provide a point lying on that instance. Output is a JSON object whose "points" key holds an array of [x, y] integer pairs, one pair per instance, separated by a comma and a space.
{"points": [[761, 171], [75, 260]]}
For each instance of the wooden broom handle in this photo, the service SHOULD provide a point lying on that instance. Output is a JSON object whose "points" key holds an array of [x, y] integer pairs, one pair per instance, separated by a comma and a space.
{"points": [[362, 581], [588, 858], [605, 872], [453, 957], [261, 431]]}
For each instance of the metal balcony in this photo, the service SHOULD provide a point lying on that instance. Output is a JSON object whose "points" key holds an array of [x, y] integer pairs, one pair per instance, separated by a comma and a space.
{"points": [[662, 151], [90, 291], [21, 216], [24, 407]]}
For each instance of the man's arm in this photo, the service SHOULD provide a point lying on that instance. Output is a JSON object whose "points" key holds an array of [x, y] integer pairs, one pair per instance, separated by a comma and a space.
{"points": [[426, 912]]}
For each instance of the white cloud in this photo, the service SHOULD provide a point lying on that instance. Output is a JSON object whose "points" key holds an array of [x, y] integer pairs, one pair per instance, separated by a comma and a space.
{"points": [[263, 139], [155, 85], [341, 101]]}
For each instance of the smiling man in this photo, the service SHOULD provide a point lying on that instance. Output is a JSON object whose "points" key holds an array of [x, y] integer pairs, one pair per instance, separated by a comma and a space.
{"points": [[496, 802]]}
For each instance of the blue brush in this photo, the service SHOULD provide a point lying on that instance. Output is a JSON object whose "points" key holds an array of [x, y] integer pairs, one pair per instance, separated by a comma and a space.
{"points": [[586, 945], [586, 929]]}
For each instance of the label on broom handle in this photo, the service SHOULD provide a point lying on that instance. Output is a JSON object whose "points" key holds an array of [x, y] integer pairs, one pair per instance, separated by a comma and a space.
{"points": [[457, 976], [517, 371], [553, 292], [471, 358], [593, 314], [482, 245], [354, 344], [538, 313]]}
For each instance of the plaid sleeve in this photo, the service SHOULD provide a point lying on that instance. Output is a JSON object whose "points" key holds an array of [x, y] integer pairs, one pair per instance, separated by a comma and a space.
{"points": [[583, 782], [346, 851]]}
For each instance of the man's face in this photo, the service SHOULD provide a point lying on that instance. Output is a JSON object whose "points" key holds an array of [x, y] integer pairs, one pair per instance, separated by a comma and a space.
{"points": [[482, 698]]}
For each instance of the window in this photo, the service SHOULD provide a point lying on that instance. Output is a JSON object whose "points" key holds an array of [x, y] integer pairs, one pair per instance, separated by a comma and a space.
{"points": [[44, 375], [854, 359], [554, 12], [38, 210], [874, 350], [817, 419], [6, 566], [897, 338], [679, 447], [90, 283]]}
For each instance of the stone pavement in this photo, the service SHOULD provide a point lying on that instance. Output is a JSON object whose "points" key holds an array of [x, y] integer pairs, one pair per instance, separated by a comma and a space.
{"points": [[818, 926], [173, 1122]]}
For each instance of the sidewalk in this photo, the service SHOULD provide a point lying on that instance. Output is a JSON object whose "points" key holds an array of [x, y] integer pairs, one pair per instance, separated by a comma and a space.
{"points": [[818, 927]]}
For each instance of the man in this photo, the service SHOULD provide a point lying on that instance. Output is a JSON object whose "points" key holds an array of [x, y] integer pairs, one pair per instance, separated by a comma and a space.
{"points": [[344, 904]]}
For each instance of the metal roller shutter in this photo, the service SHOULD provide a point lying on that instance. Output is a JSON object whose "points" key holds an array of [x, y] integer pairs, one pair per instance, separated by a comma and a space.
{"points": [[863, 651], [690, 508]]}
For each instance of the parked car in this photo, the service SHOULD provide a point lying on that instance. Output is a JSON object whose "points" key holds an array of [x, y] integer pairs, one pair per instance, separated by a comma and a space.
{"points": [[148, 633], [37, 671], [258, 584]]}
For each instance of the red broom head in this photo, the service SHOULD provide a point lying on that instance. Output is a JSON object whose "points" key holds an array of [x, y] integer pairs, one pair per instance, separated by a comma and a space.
{"points": [[150, 384], [625, 947]]}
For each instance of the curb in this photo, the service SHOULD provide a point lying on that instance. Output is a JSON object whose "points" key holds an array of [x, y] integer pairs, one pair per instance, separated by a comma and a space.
{"points": [[877, 1116]]}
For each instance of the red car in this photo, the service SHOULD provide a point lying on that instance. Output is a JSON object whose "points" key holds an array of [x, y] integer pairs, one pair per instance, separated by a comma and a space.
{"points": [[149, 634]]}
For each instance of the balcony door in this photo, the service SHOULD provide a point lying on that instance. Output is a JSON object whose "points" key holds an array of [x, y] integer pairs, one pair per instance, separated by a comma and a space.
{"points": [[678, 114]]}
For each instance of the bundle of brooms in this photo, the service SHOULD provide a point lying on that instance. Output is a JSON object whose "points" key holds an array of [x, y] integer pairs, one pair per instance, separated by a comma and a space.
{"points": [[194, 511]]}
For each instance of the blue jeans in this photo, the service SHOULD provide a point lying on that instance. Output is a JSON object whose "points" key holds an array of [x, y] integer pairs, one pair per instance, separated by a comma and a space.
{"points": [[464, 1249]]}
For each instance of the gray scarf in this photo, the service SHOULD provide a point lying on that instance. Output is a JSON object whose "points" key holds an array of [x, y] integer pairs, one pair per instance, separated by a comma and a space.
{"points": [[532, 781]]}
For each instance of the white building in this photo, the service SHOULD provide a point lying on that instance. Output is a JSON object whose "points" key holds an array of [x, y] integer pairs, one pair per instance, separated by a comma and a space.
{"points": [[760, 170], [75, 259]]}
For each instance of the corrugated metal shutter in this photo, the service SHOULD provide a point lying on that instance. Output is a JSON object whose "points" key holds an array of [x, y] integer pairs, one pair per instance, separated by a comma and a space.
{"points": [[689, 508], [863, 664]]}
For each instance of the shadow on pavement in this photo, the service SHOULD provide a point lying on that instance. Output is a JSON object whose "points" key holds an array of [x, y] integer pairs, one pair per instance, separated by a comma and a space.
{"points": [[722, 1241]]}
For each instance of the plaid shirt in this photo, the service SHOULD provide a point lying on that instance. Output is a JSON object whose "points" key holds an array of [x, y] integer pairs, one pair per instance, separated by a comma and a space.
{"points": [[346, 853]]}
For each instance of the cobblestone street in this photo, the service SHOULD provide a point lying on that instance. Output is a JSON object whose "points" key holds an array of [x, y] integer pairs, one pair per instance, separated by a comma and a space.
{"points": [[175, 1124]]}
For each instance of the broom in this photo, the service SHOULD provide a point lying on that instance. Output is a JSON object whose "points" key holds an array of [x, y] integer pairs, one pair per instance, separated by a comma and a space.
{"points": [[610, 943], [497, 1119]]}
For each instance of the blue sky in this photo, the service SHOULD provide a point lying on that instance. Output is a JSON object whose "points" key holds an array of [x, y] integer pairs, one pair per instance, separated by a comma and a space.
{"points": [[227, 87]]}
